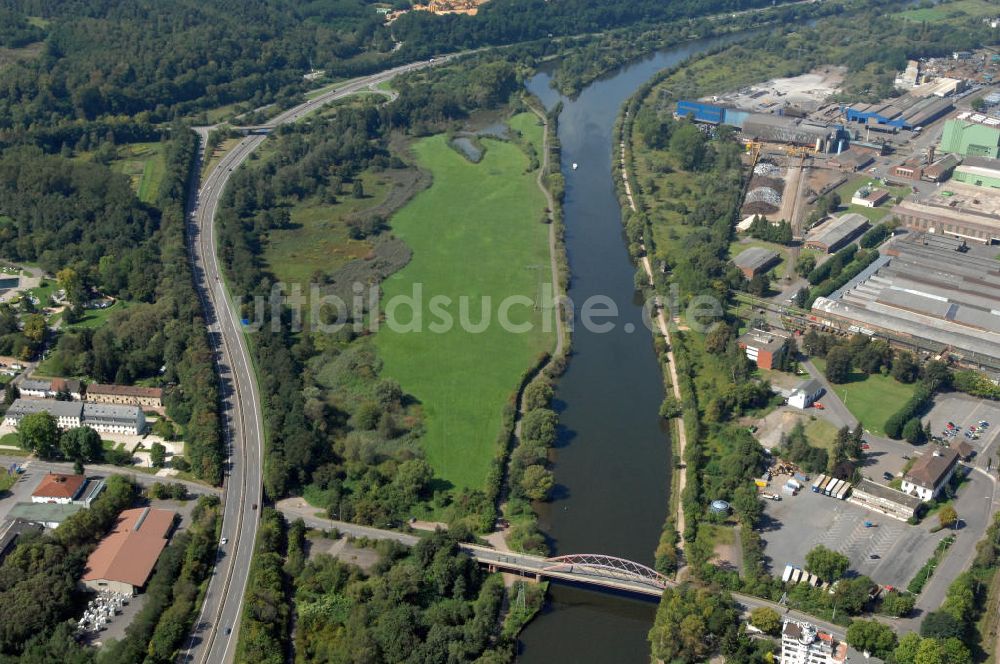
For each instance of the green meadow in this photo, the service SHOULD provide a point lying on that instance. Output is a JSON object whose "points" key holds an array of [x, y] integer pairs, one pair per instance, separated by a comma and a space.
{"points": [[475, 233]]}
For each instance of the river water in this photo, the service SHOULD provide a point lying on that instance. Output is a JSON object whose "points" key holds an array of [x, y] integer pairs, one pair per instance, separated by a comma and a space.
{"points": [[612, 458]]}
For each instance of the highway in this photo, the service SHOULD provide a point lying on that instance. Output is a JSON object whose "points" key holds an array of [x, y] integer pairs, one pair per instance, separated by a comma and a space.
{"points": [[216, 631]]}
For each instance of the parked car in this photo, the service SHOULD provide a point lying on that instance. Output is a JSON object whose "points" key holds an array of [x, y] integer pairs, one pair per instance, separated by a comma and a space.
{"points": [[887, 475]]}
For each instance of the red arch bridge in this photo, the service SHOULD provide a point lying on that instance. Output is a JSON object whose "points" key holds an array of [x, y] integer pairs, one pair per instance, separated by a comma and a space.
{"points": [[586, 568]]}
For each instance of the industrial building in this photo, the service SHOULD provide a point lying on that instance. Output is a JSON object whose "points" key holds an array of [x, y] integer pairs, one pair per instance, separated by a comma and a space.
{"points": [[925, 293], [869, 198], [765, 347], [755, 260], [123, 561], [765, 126], [979, 172], [962, 211], [837, 233], [924, 167], [784, 129], [803, 643], [917, 108], [972, 135], [930, 473], [852, 160], [885, 500]]}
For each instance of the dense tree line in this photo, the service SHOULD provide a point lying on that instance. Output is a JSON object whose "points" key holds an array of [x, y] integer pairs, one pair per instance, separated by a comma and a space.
{"points": [[511, 21], [428, 604], [61, 213], [694, 623], [265, 625], [156, 59], [16, 31], [762, 229]]}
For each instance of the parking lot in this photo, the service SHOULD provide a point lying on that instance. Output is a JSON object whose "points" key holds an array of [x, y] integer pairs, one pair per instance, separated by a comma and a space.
{"points": [[965, 411], [793, 526]]}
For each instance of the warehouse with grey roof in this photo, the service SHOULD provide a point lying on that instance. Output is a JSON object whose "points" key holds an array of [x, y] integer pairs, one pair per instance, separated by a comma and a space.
{"points": [[837, 233], [755, 260], [926, 293]]}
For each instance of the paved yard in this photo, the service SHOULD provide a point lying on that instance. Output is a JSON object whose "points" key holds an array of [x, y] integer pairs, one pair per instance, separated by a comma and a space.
{"points": [[965, 411], [794, 525]]}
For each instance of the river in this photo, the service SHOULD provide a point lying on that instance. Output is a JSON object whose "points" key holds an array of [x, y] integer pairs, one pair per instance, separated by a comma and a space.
{"points": [[612, 458]]}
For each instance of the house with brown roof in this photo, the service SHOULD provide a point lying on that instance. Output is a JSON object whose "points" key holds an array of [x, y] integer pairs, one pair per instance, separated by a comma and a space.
{"points": [[58, 488], [965, 451], [125, 395], [124, 560], [930, 473], [69, 386]]}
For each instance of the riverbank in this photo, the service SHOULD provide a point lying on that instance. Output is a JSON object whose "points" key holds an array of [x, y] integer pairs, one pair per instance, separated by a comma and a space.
{"points": [[680, 439]]}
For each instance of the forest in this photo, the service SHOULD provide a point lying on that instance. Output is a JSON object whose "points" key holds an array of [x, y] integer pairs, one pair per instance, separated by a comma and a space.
{"points": [[164, 59], [511, 21], [65, 214], [431, 603]]}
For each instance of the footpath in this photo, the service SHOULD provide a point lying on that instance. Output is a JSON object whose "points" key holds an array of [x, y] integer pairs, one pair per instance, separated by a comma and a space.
{"points": [[663, 324]]}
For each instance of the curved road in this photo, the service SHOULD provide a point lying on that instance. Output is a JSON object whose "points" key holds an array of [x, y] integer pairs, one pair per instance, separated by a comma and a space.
{"points": [[215, 633]]}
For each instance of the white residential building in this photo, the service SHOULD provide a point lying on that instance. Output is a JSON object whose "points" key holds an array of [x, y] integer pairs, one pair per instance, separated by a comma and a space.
{"points": [[930, 473], [805, 394], [107, 418], [104, 418], [802, 643], [68, 414]]}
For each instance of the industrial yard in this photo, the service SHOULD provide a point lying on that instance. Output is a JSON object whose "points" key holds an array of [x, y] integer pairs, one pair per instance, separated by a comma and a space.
{"points": [[794, 525]]}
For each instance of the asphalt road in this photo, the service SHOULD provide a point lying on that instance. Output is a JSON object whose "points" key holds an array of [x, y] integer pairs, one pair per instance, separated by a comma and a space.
{"points": [[216, 631]]}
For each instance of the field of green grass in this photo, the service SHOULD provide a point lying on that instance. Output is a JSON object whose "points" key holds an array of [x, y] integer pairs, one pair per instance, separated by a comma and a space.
{"points": [[821, 433], [475, 233], [144, 164], [948, 9], [871, 399], [94, 318], [318, 237]]}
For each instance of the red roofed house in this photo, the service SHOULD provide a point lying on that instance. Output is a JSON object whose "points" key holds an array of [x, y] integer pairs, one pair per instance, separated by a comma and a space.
{"points": [[58, 488], [123, 560]]}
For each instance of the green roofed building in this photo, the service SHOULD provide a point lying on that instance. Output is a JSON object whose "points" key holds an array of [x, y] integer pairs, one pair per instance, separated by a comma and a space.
{"points": [[973, 135], [49, 515], [979, 172]]}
